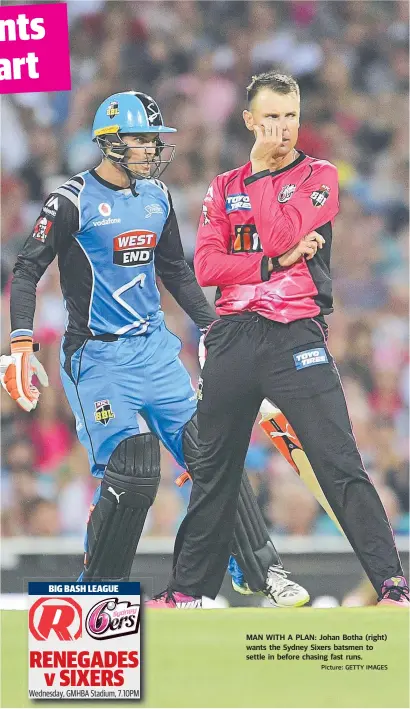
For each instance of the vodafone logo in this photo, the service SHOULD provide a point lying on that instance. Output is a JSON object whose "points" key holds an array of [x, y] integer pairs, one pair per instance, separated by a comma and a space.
{"points": [[104, 209], [134, 248], [61, 615]]}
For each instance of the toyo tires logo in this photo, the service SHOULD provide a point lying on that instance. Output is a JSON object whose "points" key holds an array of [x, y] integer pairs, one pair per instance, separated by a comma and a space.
{"points": [[112, 618]]}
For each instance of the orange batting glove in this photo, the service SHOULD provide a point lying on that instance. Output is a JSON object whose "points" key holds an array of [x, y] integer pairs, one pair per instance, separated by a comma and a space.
{"points": [[17, 370]]}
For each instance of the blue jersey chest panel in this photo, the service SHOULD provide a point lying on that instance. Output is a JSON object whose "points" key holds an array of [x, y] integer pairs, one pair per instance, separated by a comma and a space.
{"points": [[118, 234]]}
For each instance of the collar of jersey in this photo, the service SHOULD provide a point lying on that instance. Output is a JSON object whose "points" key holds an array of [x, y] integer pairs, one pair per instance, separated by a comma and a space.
{"points": [[291, 166], [101, 180]]}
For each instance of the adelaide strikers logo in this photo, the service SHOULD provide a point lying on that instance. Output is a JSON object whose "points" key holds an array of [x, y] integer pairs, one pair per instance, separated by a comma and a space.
{"points": [[112, 618], [56, 616]]}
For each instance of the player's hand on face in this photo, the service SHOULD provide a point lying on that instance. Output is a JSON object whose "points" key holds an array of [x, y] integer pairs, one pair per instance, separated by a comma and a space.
{"points": [[269, 136], [307, 248], [17, 371]]}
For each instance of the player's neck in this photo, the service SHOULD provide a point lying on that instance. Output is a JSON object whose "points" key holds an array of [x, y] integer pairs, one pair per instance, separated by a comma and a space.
{"points": [[284, 162], [110, 173]]}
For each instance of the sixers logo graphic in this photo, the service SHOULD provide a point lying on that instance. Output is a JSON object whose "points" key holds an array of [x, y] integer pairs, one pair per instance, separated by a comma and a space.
{"points": [[286, 193], [134, 248], [112, 618], [63, 616]]}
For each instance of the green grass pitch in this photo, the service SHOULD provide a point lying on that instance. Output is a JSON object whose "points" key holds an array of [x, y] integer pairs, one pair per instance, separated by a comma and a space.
{"points": [[198, 659]]}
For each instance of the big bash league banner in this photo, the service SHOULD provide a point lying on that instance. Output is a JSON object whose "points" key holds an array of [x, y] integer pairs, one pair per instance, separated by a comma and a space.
{"points": [[84, 640]]}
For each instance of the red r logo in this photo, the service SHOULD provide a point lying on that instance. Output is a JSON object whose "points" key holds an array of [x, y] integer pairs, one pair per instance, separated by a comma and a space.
{"points": [[63, 615]]}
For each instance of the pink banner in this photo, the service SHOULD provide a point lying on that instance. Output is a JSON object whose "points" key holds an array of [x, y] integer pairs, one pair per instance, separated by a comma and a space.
{"points": [[34, 48]]}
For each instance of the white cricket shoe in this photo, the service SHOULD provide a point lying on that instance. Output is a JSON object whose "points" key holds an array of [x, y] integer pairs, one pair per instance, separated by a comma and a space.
{"points": [[280, 591]]}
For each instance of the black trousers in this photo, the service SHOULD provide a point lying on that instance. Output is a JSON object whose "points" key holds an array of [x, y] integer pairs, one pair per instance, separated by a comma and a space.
{"points": [[250, 358]]}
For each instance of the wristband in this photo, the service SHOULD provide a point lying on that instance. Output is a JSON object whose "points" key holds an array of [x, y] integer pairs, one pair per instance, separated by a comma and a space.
{"points": [[275, 264]]}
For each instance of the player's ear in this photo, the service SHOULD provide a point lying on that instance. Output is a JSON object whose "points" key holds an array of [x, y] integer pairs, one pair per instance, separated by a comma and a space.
{"points": [[249, 120]]}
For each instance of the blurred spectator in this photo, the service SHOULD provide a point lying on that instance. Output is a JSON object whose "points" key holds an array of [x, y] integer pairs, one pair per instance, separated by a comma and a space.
{"points": [[293, 508], [351, 59], [42, 518], [21, 483]]}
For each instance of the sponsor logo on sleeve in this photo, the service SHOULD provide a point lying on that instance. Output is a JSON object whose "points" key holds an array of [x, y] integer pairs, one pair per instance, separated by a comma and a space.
{"points": [[206, 218], [103, 412], [134, 248], [246, 239], [51, 206], [235, 202], [309, 358], [41, 229], [320, 196], [210, 194], [286, 193]]}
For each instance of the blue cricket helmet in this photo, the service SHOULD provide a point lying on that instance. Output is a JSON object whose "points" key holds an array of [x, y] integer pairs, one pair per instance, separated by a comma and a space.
{"points": [[129, 112]]}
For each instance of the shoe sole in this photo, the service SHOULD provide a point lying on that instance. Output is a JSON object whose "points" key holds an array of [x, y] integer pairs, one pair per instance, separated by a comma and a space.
{"points": [[298, 604], [242, 590], [248, 592]]}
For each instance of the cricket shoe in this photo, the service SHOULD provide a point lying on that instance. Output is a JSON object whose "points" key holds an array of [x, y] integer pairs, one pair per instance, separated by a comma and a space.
{"points": [[395, 592], [174, 599], [280, 591]]}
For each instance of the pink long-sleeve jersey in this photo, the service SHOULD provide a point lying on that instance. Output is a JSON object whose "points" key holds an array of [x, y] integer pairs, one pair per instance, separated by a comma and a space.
{"points": [[247, 218]]}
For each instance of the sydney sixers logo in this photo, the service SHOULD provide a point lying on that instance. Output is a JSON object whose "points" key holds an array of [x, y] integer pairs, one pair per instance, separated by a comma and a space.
{"points": [[55, 616], [112, 618]]}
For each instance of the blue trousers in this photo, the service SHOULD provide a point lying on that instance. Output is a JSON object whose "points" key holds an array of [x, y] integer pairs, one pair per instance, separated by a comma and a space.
{"points": [[108, 383]]}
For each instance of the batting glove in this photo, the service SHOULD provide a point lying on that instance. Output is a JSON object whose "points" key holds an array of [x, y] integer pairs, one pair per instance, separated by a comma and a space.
{"points": [[17, 370]]}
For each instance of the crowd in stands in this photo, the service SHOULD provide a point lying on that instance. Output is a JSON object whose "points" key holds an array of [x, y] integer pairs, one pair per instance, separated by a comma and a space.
{"points": [[195, 58]]}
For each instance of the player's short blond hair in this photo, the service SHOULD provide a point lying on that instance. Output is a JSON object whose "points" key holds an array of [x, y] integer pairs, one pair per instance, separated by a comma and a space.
{"points": [[274, 80]]}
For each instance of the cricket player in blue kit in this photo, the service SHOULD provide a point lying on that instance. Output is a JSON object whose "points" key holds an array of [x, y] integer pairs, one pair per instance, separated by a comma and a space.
{"points": [[114, 230]]}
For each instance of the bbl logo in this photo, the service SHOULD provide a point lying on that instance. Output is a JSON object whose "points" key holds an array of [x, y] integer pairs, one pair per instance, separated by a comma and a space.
{"points": [[103, 412], [113, 109], [320, 196], [246, 239]]}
